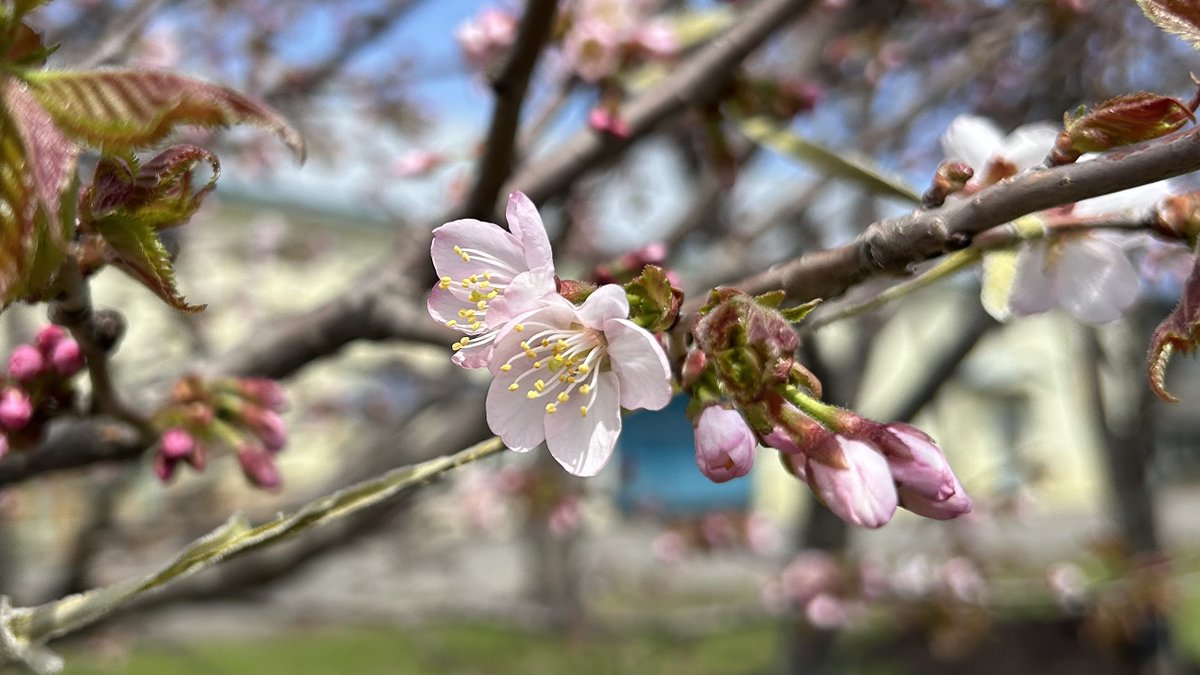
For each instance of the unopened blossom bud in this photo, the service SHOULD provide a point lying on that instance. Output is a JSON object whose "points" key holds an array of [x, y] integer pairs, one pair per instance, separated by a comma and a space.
{"points": [[608, 121], [164, 467], [67, 357], [177, 443], [25, 363], [956, 505], [15, 409], [258, 465], [915, 460], [854, 482], [267, 425], [1178, 216], [724, 444], [950, 178], [693, 367], [48, 337], [264, 391]]}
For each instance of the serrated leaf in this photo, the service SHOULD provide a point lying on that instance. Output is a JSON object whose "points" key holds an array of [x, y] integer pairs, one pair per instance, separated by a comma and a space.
{"points": [[1180, 17], [123, 110], [796, 314], [1179, 332], [133, 247], [50, 157], [23, 630], [157, 192], [1124, 120], [846, 165]]}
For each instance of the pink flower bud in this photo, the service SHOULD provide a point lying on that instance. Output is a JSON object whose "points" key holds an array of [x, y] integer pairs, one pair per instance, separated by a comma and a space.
{"points": [[164, 468], [67, 357], [264, 391], [48, 337], [25, 363], [947, 509], [267, 425], [15, 409], [259, 466], [607, 121], [915, 461], [724, 444], [177, 443], [860, 491]]}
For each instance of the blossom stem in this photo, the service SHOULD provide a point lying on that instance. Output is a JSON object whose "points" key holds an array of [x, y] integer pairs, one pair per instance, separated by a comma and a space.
{"points": [[828, 415]]}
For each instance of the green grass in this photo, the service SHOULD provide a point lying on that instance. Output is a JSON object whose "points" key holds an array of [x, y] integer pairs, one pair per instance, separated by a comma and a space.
{"points": [[450, 650]]}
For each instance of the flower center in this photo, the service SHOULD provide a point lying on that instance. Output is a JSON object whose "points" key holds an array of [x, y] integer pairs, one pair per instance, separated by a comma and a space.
{"points": [[558, 363], [477, 290]]}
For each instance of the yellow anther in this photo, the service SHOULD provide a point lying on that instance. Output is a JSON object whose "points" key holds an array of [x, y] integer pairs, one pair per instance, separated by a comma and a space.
{"points": [[492, 296], [455, 347], [462, 254], [506, 367], [481, 305], [451, 323], [519, 327], [562, 378], [487, 275], [485, 283], [445, 282], [563, 397], [537, 364], [476, 325], [571, 380], [583, 369], [513, 387], [524, 344], [539, 385], [530, 353], [585, 388], [464, 341], [474, 278], [474, 297], [562, 345], [531, 394], [551, 408], [583, 411], [545, 342]]}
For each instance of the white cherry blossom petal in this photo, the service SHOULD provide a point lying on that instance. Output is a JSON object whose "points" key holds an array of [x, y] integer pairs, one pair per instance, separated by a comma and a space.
{"points": [[1094, 281], [526, 223], [583, 443], [640, 365], [1033, 285], [1028, 145], [500, 251], [1134, 202], [971, 139], [512, 416], [607, 302], [524, 293]]}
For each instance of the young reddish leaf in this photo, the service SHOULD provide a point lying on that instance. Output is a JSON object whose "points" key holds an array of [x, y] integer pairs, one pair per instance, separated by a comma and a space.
{"points": [[134, 247], [26, 48], [159, 193], [1178, 332], [50, 157], [123, 110], [1181, 17], [1123, 120]]}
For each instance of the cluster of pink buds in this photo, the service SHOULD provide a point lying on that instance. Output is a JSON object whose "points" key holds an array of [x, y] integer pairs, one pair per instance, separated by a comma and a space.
{"points": [[241, 414], [599, 37], [747, 389], [39, 385]]}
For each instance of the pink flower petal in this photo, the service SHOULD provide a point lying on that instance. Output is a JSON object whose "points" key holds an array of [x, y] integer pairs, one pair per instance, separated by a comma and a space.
{"points": [[480, 236], [862, 494], [514, 417], [525, 292], [639, 364], [444, 303], [584, 444], [607, 302], [556, 313], [526, 223]]}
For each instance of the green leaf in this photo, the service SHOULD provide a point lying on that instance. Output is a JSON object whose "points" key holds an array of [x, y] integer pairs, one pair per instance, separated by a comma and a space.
{"points": [[1180, 17], [796, 314], [840, 164], [133, 246], [23, 630], [123, 110]]}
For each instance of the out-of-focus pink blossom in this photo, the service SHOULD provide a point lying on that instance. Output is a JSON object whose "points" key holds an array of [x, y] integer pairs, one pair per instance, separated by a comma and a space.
{"points": [[15, 409], [657, 39], [593, 50], [608, 121], [670, 547], [264, 391], [164, 468], [827, 612], [417, 163], [486, 36], [159, 48], [811, 572], [25, 363], [258, 464], [177, 443], [67, 357], [963, 579], [3, 445], [762, 535], [913, 578], [1068, 583], [267, 425], [565, 517], [718, 530], [47, 337], [724, 444]]}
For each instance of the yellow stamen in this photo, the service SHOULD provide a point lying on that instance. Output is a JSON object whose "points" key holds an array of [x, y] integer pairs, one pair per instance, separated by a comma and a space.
{"points": [[551, 408], [585, 388], [519, 327], [506, 367], [539, 385], [513, 387], [583, 411], [563, 397], [451, 323]]}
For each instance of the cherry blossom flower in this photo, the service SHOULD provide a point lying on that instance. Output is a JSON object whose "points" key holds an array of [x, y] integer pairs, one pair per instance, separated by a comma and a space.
{"points": [[487, 36], [417, 162], [488, 276], [563, 373], [724, 444], [1088, 275]]}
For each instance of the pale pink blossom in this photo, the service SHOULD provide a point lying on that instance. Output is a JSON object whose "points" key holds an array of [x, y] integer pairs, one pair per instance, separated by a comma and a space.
{"points": [[810, 573], [564, 518], [486, 36], [657, 39], [724, 444], [827, 612], [1068, 583], [416, 163], [563, 373], [489, 275], [670, 547], [961, 576], [762, 535], [593, 50]]}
